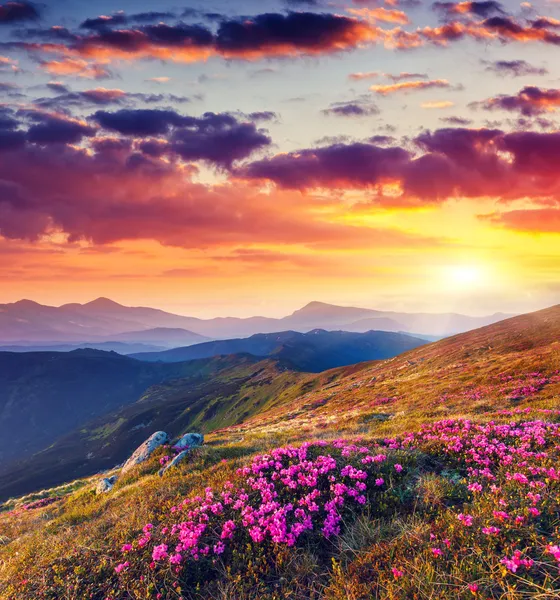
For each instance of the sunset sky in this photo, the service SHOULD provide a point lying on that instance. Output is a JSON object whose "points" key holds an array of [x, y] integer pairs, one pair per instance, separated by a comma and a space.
{"points": [[247, 157]]}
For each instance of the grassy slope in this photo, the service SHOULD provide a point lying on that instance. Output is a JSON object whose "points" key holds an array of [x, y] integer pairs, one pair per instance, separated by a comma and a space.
{"points": [[465, 375], [461, 375], [217, 392]]}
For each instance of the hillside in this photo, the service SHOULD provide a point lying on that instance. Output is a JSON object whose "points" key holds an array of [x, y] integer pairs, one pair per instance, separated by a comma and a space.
{"points": [[430, 475], [44, 395], [313, 352], [502, 366], [211, 393]]}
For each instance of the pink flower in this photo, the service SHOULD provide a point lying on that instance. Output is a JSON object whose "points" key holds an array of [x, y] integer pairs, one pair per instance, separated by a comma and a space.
{"points": [[120, 568], [436, 551], [397, 573], [398, 468], [467, 520], [379, 482], [473, 587]]}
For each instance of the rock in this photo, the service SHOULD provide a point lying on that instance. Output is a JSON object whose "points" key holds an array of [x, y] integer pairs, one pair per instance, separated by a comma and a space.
{"points": [[179, 458], [105, 485], [190, 440], [143, 452]]}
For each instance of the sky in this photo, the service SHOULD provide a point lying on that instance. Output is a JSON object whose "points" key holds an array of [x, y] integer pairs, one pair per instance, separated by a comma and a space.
{"points": [[246, 157]]}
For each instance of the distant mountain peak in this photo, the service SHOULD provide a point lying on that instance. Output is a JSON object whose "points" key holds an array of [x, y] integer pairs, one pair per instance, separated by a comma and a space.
{"points": [[103, 303], [314, 307], [25, 302]]}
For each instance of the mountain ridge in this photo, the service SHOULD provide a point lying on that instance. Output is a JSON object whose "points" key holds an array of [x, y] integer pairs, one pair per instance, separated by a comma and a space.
{"points": [[102, 319]]}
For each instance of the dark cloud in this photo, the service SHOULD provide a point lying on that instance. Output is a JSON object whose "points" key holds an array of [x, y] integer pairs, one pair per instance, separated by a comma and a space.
{"points": [[530, 101], [479, 9], [264, 115], [352, 109], [298, 30], [457, 121], [50, 129], [217, 138], [261, 36], [102, 97], [141, 122], [16, 12], [448, 163], [330, 166], [121, 19], [514, 68]]}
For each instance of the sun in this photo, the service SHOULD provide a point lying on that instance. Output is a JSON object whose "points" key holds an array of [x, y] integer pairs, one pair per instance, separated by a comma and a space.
{"points": [[465, 275]]}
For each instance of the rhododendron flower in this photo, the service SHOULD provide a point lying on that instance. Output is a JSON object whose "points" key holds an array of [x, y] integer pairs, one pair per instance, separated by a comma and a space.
{"points": [[467, 520], [120, 568]]}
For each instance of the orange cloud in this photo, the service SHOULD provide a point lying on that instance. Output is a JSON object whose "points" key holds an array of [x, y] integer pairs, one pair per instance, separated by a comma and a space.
{"points": [[407, 86], [380, 15], [75, 67], [438, 104], [362, 76]]}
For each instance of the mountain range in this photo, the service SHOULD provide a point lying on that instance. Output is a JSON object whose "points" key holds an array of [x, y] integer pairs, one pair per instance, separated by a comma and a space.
{"points": [[29, 323], [315, 351], [46, 395]]}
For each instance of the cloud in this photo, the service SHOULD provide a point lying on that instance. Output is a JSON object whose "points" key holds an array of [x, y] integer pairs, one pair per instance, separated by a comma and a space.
{"points": [[456, 121], [124, 195], [514, 68], [362, 76], [480, 9], [217, 138], [102, 97], [355, 108], [447, 163], [405, 75], [437, 104], [119, 19], [380, 15], [77, 68], [409, 86], [536, 220], [267, 35], [17, 12], [54, 129], [529, 101]]}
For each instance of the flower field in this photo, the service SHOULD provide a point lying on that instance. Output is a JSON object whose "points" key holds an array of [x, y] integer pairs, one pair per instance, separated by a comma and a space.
{"points": [[457, 509]]}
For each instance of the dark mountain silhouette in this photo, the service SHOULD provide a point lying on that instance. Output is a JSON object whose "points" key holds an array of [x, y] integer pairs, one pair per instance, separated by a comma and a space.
{"points": [[313, 352], [44, 395]]}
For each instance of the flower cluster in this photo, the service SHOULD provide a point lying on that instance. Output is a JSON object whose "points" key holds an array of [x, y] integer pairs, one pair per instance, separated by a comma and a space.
{"points": [[280, 497]]}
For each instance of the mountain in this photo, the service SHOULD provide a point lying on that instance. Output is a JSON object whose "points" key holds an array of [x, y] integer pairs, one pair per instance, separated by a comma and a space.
{"points": [[119, 347], [163, 336], [44, 395], [213, 393], [510, 365], [315, 351], [104, 320]]}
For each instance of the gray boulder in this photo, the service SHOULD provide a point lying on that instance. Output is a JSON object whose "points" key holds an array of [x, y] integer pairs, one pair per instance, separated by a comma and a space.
{"points": [[105, 485], [143, 452], [178, 459], [190, 440]]}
